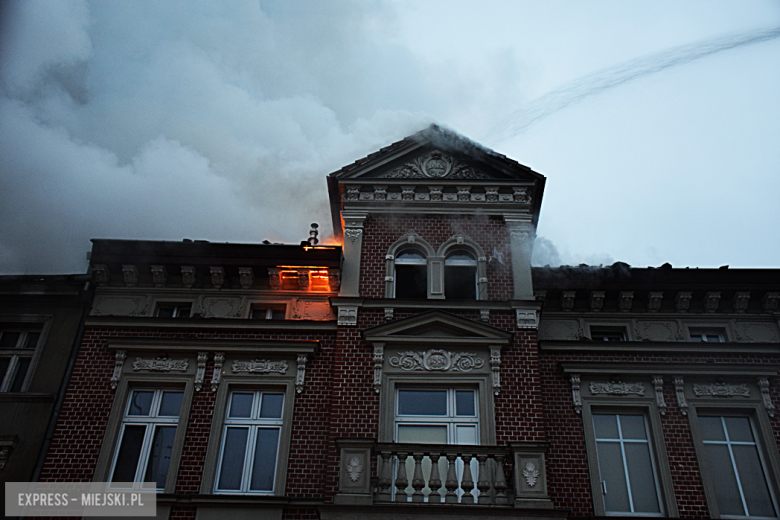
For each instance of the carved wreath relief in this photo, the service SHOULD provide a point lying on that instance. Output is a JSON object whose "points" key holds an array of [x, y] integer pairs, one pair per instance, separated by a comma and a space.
{"points": [[354, 469], [617, 388], [531, 474], [437, 360], [161, 364], [435, 165], [262, 366]]}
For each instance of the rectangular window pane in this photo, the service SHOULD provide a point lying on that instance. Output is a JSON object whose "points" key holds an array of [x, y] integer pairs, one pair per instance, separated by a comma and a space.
{"points": [[422, 434], [411, 281], [752, 479], [271, 407], [9, 339], [233, 452], [712, 429], [464, 403], [165, 312], [129, 453], [606, 426], [422, 402], [465, 434], [140, 403], [171, 404], [460, 282], [241, 405], [612, 472], [160, 455], [32, 339], [724, 479], [632, 426], [640, 474], [22, 365], [738, 429], [264, 467], [5, 362], [183, 311]]}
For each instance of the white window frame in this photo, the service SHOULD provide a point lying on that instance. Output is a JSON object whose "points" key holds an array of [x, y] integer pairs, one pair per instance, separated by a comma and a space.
{"points": [[450, 419], [704, 332], [151, 422], [472, 262], [15, 353], [177, 309], [253, 424]]}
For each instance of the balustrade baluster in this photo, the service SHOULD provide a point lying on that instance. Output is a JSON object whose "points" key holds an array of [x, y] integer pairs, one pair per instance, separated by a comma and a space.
{"points": [[434, 479], [500, 483], [483, 480], [385, 477], [452, 480], [466, 483], [418, 483], [400, 479]]}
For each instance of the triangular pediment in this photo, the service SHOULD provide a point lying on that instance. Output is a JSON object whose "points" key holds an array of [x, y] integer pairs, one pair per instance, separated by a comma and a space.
{"points": [[435, 327]]}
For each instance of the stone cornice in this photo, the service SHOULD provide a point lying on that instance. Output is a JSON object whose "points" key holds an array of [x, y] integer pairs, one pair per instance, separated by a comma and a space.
{"points": [[372, 303], [638, 347], [222, 345], [210, 323], [691, 369]]}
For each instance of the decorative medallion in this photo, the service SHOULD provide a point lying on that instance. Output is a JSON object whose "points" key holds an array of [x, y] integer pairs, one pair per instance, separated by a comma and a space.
{"points": [[617, 388], [161, 364], [435, 165], [261, 366], [721, 390], [531, 474], [353, 234], [354, 469], [437, 360]]}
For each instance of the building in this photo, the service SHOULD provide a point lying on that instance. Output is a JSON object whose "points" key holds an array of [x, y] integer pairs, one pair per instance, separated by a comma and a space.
{"points": [[423, 367]]}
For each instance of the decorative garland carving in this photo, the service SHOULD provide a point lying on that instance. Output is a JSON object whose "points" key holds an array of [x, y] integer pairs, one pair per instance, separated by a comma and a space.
{"points": [[161, 364], [435, 165], [203, 357], [119, 361], [495, 366], [679, 389], [219, 358], [617, 388], [763, 384], [437, 360], [658, 386], [531, 474], [721, 390], [302, 360], [379, 360], [353, 234], [575, 392], [260, 366]]}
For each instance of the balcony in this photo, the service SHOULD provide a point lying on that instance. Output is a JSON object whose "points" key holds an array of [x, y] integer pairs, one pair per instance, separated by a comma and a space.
{"points": [[448, 475]]}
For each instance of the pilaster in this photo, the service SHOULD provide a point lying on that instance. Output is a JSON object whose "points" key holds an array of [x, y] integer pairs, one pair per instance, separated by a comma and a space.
{"points": [[522, 234], [353, 246]]}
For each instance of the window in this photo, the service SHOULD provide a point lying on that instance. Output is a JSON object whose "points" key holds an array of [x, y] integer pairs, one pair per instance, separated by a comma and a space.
{"points": [[736, 469], [608, 333], [460, 276], [250, 443], [174, 310], [707, 335], [147, 436], [17, 346], [625, 463], [269, 312], [411, 275]]}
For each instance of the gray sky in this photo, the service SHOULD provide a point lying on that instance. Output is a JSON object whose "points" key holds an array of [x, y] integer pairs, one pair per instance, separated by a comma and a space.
{"points": [[657, 123]]}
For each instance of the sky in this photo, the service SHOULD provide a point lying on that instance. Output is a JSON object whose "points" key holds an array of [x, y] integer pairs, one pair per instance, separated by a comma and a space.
{"points": [[656, 123]]}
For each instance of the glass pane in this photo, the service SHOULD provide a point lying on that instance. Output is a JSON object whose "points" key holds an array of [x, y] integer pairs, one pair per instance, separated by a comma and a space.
{"points": [[640, 474], [696, 338], [460, 282], [233, 452], [183, 311], [271, 407], [739, 429], [713, 338], [466, 434], [460, 258], [464, 403], [411, 281], [165, 312], [724, 480], [32, 339], [751, 476], [422, 434], [171, 404], [259, 314], [140, 403], [410, 258], [422, 402], [264, 467], [712, 429], [611, 471], [4, 363], [9, 339], [241, 405], [160, 455], [605, 426], [633, 427], [129, 453], [21, 371]]}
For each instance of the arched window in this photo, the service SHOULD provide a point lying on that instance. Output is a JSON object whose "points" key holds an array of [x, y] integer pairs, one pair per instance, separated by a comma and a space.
{"points": [[460, 276], [411, 275]]}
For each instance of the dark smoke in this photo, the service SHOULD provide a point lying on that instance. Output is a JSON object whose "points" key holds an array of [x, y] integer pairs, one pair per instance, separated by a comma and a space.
{"points": [[605, 79]]}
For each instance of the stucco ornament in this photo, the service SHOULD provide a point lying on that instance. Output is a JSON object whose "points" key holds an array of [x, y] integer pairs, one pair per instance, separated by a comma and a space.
{"points": [[531, 474], [160, 364], [354, 469], [435, 165], [617, 388], [721, 390], [353, 234], [437, 360], [261, 366]]}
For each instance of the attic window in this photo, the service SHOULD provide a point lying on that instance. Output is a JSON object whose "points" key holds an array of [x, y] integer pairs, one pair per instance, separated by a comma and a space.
{"points": [[608, 333], [411, 275], [269, 312], [707, 335], [174, 310]]}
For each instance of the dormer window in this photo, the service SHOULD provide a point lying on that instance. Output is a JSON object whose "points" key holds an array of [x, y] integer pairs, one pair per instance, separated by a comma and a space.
{"points": [[174, 310], [460, 276], [411, 275]]}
